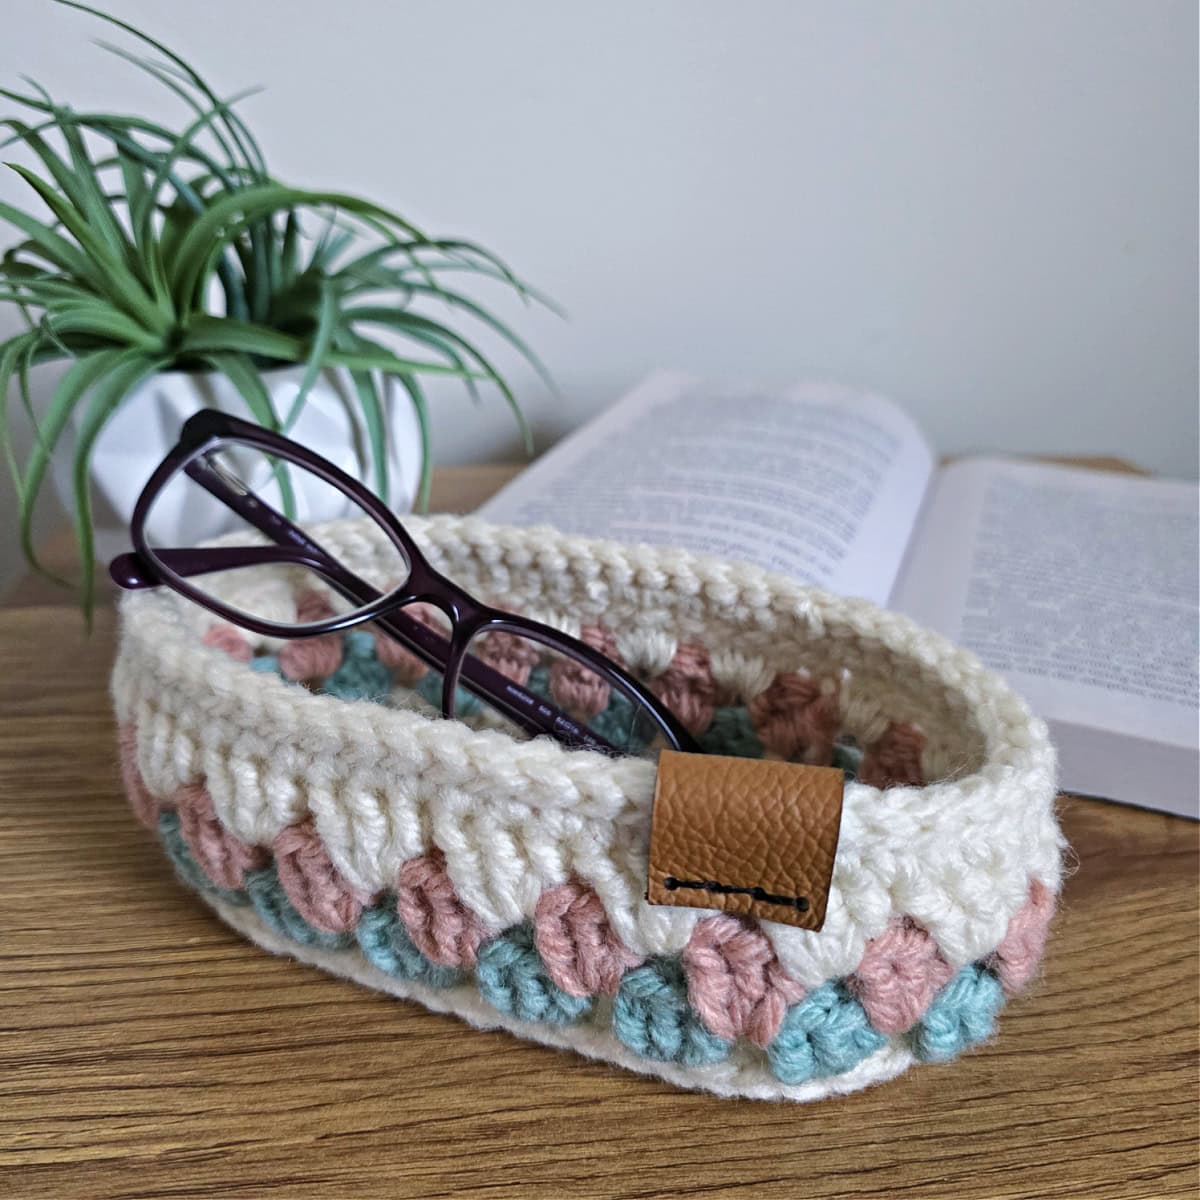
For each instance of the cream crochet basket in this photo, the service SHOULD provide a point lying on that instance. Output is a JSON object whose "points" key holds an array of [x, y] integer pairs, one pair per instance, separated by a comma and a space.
{"points": [[504, 880]]}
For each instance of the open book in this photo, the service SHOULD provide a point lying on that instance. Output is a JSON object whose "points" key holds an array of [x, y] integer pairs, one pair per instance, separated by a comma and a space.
{"points": [[1080, 586]]}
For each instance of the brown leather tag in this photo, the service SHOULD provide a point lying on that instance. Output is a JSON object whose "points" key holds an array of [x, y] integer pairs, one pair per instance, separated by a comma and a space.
{"points": [[745, 835]]}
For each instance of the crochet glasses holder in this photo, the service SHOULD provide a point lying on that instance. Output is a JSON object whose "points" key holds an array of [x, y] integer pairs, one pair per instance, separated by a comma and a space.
{"points": [[309, 794]]}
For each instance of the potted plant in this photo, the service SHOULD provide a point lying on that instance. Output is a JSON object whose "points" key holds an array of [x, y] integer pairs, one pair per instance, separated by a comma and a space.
{"points": [[171, 270]]}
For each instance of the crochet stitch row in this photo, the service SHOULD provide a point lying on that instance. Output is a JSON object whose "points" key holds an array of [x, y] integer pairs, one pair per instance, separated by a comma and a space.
{"points": [[794, 718], [690, 1010]]}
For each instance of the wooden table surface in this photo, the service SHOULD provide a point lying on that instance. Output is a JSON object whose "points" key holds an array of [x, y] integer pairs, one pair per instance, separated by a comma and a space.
{"points": [[146, 1051]]}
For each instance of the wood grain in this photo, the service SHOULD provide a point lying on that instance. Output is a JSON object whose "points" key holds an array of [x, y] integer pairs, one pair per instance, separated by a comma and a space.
{"points": [[147, 1052]]}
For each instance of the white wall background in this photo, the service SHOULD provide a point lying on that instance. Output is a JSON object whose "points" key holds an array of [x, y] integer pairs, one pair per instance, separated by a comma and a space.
{"points": [[987, 210]]}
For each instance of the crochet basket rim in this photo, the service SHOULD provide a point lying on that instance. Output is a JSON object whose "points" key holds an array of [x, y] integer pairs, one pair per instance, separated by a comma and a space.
{"points": [[1016, 744]]}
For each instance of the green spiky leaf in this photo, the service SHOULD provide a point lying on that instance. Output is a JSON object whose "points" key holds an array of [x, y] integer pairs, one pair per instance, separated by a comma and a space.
{"points": [[168, 245]]}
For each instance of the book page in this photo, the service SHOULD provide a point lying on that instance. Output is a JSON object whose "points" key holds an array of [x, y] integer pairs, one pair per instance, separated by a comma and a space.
{"points": [[818, 482], [1080, 586]]}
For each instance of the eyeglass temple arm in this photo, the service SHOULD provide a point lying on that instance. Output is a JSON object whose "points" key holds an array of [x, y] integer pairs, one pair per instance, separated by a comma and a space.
{"points": [[131, 571], [531, 712], [294, 547], [262, 516]]}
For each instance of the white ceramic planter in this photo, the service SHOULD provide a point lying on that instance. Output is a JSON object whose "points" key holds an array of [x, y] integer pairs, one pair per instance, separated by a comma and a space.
{"points": [[146, 426]]}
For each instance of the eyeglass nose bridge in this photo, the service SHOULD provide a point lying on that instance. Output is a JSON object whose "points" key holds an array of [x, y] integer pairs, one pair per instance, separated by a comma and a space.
{"points": [[427, 586]]}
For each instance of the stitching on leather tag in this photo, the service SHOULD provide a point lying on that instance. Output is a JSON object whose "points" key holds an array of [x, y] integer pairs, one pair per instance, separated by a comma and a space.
{"points": [[748, 836]]}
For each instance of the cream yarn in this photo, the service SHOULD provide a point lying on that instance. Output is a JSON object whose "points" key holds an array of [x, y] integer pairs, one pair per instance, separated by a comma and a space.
{"points": [[514, 819]]}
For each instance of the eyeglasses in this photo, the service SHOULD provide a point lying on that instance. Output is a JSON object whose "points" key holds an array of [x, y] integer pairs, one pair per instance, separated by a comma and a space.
{"points": [[538, 679]]}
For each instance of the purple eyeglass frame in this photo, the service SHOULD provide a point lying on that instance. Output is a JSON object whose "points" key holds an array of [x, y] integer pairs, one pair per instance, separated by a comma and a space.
{"points": [[206, 430]]}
